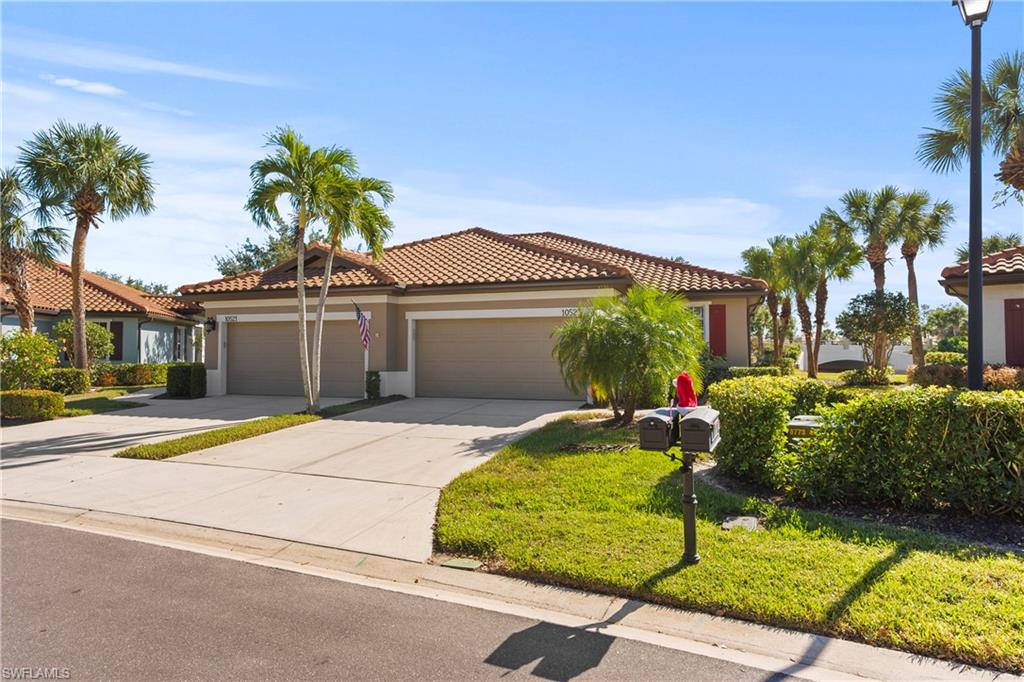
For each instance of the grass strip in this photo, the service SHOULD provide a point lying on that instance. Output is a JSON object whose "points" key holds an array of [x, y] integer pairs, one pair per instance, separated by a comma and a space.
{"points": [[96, 402], [549, 508], [249, 429]]}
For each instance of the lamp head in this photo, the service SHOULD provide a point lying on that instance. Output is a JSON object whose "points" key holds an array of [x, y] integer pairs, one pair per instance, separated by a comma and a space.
{"points": [[973, 11]]}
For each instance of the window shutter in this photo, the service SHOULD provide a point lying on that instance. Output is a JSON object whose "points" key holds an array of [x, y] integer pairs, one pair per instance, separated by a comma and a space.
{"points": [[716, 321], [117, 329]]}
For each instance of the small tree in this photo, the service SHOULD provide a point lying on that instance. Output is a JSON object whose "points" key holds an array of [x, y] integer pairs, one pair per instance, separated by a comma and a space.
{"points": [[946, 320], [25, 358], [98, 341], [879, 312], [626, 347]]}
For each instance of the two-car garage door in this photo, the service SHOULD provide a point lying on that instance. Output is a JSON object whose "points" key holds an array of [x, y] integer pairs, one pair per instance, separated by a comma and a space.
{"points": [[488, 358], [263, 359]]}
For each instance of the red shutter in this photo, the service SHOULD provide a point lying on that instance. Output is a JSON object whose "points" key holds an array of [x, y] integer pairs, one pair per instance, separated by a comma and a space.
{"points": [[716, 328], [117, 329]]}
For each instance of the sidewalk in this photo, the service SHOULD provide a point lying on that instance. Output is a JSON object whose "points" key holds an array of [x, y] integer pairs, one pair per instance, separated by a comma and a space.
{"points": [[783, 651]]}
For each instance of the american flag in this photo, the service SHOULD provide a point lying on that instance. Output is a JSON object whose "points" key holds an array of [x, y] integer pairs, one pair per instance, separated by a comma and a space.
{"points": [[364, 328]]}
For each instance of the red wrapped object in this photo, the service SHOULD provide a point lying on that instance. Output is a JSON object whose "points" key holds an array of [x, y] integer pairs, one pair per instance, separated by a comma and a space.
{"points": [[685, 395]]}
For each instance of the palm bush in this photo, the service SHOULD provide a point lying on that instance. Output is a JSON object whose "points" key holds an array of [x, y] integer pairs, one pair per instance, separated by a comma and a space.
{"points": [[625, 347]]}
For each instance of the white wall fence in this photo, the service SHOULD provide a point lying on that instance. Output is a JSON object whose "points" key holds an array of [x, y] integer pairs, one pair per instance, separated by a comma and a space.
{"points": [[830, 352]]}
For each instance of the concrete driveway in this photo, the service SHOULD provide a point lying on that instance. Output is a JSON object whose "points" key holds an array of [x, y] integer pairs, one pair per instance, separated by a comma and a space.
{"points": [[366, 482]]}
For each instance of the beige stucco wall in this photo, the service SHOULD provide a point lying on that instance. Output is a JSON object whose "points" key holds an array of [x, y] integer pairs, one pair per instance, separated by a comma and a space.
{"points": [[993, 317]]}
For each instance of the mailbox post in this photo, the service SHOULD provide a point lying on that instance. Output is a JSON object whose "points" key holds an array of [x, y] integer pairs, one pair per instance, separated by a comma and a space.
{"points": [[693, 430]]}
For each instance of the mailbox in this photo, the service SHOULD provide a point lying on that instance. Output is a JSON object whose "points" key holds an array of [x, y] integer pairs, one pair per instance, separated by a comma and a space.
{"points": [[656, 431], [699, 430], [803, 425]]}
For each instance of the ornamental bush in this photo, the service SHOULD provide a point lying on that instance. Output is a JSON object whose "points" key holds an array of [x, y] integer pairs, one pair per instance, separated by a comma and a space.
{"points": [[133, 374], [186, 380], [953, 344], [25, 358], [767, 371], [66, 380], [1004, 378], [30, 404], [937, 375], [936, 357], [99, 342], [866, 376]]}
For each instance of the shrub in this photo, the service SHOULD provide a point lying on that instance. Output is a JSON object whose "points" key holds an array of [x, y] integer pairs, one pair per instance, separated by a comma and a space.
{"points": [[933, 448], [877, 313], [937, 375], [716, 368], [186, 380], [66, 380], [25, 358], [936, 357], [866, 376], [1004, 378], [99, 342], [30, 404], [102, 374], [766, 371], [159, 372], [133, 374], [953, 344], [373, 385], [754, 412]]}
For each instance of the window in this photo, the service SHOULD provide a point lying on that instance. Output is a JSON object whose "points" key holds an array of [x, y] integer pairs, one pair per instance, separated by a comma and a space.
{"points": [[701, 311], [179, 336], [116, 328]]}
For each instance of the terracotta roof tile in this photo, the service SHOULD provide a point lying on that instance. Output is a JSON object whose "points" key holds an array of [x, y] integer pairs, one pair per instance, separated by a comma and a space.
{"points": [[50, 290], [1005, 262]]}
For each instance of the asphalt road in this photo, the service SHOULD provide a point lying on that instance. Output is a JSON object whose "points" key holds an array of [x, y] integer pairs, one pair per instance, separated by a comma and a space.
{"points": [[98, 607]]}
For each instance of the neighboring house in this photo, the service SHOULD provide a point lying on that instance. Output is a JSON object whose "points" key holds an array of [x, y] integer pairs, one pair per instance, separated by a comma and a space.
{"points": [[1002, 303], [841, 356], [146, 328], [468, 314]]}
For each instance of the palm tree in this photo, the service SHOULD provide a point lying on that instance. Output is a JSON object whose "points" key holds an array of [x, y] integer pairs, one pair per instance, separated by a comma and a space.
{"points": [[85, 171], [875, 215], [797, 262], [358, 207], [308, 180], [22, 242], [759, 263], [836, 254], [945, 149], [777, 245], [990, 244], [925, 227]]}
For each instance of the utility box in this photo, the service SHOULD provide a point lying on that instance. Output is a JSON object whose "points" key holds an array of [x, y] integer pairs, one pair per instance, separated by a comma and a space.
{"points": [[656, 431], [803, 425], [699, 430]]}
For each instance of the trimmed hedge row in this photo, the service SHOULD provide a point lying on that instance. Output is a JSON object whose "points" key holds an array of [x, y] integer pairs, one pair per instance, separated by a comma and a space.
{"points": [[66, 380], [130, 373], [767, 371], [938, 357], [30, 403], [922, 448], [994, 378], [186, 380]]}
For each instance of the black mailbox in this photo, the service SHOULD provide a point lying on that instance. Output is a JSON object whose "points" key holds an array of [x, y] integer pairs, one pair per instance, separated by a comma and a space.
{"points": [[656, 431], [698, 430]]}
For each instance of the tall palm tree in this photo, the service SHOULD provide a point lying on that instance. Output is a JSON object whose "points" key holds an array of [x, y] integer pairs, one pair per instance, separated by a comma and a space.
{"points": [[307, 179], [780, 283], [85, 171], [925, 227], [990, 244], [946, 148], [875, 215], [758, 263], [836, 255], [23, 242], [796, 259], [358, 207]]}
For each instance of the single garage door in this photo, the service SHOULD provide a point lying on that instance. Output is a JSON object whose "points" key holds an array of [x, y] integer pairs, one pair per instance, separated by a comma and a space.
{"points": [[263, 359], [488, 358]]}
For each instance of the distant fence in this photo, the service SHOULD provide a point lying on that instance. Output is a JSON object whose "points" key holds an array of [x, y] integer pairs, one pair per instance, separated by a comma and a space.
{"points": [[841, 356]]}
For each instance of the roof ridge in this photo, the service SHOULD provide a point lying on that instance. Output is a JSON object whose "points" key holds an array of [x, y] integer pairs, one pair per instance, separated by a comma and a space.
{"points": [[218, 280], [435, 238], [645, 256], [544, 250]]}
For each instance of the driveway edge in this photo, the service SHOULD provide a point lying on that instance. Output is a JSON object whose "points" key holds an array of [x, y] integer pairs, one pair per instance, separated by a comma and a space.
{"points": [[812, 657]]}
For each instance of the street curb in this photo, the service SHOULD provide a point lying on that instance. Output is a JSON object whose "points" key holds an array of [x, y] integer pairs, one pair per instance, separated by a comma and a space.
{"points": [[813, 657]]}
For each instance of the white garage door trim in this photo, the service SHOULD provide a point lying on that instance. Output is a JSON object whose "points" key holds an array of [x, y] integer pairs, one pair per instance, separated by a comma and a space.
{"points": [[498, 313]]}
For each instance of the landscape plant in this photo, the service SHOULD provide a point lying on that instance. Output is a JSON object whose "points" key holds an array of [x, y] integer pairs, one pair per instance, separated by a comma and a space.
{"points": [[867, 317], [30, 403], [25, 358], [66, 380], [99, 341], [85, 172], [991, 243]]}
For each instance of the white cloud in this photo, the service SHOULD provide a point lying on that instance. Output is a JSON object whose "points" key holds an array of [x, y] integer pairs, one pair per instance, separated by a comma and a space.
{"points": [[89, 87], [54, 49]]}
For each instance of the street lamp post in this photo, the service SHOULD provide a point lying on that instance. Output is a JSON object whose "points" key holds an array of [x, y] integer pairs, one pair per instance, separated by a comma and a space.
{"points": [[974, 13]]}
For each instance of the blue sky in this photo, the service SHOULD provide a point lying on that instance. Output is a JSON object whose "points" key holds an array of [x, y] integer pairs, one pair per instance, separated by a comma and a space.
{"points": [[692, 129]]}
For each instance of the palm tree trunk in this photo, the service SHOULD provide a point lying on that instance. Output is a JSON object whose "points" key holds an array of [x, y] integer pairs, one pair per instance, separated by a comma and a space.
{"points": [[300, 277], [804, 313], [318, 328], [876, 259], [916, 342], [773, 310], [784, 318], [78, 346], [12, 268], [820, 300]]}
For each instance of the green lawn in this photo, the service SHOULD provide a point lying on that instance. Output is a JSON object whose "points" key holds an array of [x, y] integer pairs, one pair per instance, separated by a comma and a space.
{"points": [[554, 507], [833, 377], [95, 402], [250, 429]]}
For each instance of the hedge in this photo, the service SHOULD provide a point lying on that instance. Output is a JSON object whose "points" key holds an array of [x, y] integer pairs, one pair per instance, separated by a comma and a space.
{"points": [[866, 376], [130, 373], [920, 449], [937, 375], [66, 380], [30, 404], [953, 344], [938, 357], [767, 371], [1004, 378], [186, 380]]}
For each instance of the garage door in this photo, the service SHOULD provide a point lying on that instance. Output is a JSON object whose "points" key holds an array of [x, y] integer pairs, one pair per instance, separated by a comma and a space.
{"points": [[488, 358], [263, 359]]}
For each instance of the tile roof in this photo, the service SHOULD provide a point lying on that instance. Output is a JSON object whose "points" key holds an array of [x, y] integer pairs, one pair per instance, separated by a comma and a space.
{"points": [[1006, 262], [479, 256], [50, 291]]}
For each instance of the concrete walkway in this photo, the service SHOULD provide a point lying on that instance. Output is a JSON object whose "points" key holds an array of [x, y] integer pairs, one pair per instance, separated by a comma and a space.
{"points": [[366, 482]]}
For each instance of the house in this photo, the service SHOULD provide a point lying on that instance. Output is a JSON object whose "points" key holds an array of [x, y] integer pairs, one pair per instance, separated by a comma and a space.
{"points": [[146, 328], [1002, 303], [468, 314]]}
